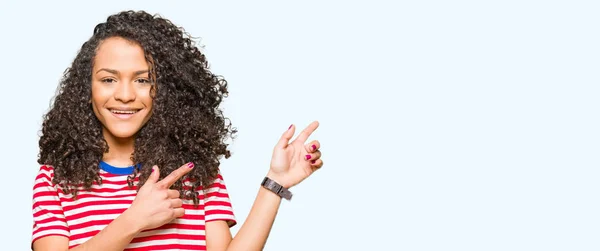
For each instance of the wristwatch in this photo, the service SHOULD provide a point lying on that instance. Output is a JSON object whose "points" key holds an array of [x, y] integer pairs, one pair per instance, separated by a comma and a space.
{"points": [[276, 188]]}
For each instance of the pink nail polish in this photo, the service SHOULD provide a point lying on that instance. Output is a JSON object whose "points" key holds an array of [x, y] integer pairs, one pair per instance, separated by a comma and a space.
{"points": [[152, 170], [290, 127], [314, 147], [313, 161], [308, 156], [190, 165]]}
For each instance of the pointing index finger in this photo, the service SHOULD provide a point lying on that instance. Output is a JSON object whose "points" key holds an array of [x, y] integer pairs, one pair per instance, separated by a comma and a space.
{"points": [[176, 175], [303, 136]]}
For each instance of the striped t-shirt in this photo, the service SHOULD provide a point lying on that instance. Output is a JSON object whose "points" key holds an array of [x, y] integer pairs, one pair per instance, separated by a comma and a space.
{"points": [[55, 213]]}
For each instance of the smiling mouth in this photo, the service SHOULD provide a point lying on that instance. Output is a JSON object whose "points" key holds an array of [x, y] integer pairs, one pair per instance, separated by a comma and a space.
{"points": [[124, 112]]}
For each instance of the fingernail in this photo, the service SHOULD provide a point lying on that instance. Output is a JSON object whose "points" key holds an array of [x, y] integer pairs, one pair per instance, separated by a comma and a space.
{"points": [[152, 170], [190, 165], [313, 161], [308, 156], [290, 127], [314, 147]]}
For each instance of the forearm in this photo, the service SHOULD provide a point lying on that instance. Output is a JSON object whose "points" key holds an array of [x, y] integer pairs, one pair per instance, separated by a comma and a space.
{"points": [[254, 232], [115, 236]]}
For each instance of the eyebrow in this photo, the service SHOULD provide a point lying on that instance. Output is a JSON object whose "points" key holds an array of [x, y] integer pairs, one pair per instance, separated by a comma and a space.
{"points": [[117, 72]]}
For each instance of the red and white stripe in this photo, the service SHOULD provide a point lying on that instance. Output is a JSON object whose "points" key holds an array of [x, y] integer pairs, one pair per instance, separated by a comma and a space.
{"points": [[55, 213]]}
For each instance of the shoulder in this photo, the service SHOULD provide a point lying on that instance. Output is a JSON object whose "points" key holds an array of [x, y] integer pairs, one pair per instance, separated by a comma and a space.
{"points": [[44, 179], [45, 172]]}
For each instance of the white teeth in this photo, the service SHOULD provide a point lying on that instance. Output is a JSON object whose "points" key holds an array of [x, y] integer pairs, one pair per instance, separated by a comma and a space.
{"points": [[123, 112]]}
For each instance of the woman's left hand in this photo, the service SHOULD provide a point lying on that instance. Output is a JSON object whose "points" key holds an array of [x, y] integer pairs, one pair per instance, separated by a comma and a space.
{"points": [[293, 162]]}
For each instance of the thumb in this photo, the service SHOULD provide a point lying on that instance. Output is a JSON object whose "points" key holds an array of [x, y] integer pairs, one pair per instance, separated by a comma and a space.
{"points": [[285, 138], [154, 175]]}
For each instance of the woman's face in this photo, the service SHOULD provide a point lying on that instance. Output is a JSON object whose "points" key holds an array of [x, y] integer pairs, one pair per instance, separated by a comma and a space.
{"points": [[121, 88]]}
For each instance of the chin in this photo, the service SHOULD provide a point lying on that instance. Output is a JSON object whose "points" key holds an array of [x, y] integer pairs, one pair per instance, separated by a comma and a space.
{"points": [[122, 133]]}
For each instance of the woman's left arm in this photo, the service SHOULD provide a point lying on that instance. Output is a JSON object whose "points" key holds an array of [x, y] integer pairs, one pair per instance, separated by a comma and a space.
{"points": [[291, 164]]}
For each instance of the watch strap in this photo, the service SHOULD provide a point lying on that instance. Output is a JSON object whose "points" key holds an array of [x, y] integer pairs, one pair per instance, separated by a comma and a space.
{"points": [[276, 188]]}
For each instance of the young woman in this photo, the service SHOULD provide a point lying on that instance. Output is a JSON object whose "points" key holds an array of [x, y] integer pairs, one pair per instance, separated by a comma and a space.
{"points": [[130, 150]]}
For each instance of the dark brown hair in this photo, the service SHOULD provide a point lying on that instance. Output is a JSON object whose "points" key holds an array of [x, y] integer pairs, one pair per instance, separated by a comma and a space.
{"points": [[186, 123]]}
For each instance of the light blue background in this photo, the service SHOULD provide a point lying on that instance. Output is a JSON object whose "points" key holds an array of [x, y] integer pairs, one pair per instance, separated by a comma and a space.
{"points": [[445, 125]]}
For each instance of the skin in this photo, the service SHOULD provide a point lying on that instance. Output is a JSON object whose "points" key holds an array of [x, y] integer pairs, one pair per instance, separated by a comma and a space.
{"points": [[120, 81]]}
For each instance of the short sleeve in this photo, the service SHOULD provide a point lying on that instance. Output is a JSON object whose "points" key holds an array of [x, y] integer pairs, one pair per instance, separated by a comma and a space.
{"points": [[217, 205], [48, 216]]}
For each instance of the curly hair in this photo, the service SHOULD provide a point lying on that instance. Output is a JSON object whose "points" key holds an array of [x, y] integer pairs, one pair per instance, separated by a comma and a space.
{"points": [[186, 125]]}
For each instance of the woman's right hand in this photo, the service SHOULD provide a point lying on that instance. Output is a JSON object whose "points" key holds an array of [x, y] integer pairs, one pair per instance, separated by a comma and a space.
{"points": [[155, 203]]}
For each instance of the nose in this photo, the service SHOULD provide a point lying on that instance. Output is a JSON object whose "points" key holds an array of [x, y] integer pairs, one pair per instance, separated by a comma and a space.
{"points": [[125, 92]]}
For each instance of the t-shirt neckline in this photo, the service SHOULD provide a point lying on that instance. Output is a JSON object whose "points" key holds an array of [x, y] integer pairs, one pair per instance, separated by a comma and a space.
{"points": [[117, 170]]}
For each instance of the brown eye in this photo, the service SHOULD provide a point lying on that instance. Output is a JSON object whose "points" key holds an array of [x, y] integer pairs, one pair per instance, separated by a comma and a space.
{"points": [[108, 80], [143, 81]]}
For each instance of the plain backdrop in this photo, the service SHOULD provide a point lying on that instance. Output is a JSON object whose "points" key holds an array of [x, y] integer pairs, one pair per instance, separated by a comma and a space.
{"points": [[445, 125]]}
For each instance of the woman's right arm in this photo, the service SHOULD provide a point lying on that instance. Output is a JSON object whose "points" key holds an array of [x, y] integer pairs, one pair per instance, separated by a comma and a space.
{"points": [[116, 236], [154, 205]]}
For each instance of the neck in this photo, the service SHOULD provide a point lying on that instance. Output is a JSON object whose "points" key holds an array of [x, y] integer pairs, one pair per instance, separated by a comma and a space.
{"points": [[119, 150]]}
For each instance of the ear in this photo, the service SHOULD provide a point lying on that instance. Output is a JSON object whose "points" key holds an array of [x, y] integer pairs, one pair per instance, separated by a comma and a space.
{"points": [[153, 91]]}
